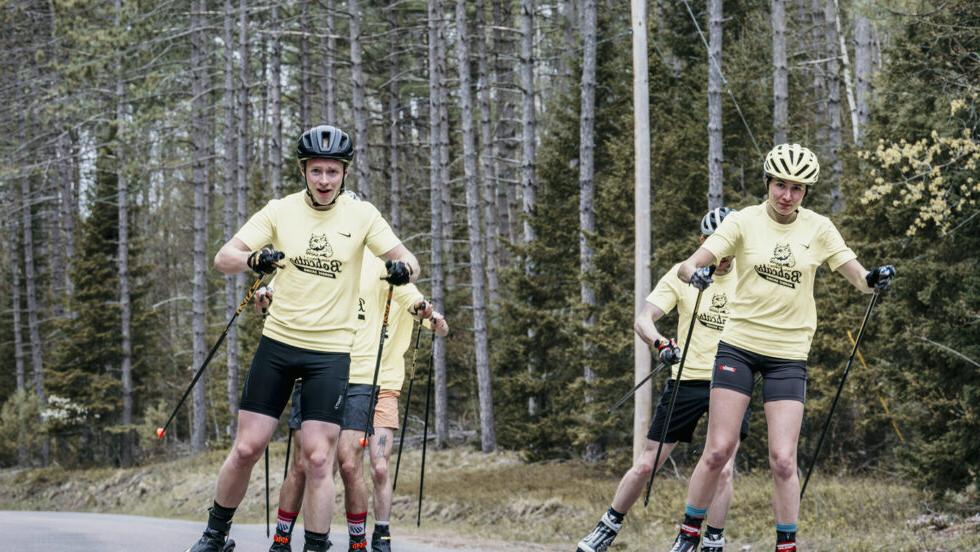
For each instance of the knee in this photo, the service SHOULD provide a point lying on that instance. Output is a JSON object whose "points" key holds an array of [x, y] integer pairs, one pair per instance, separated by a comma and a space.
{"points": [[716, 456], [350, 467], [315, 464], [246, 453], [783, 464], [379, 472], [643, 469]]}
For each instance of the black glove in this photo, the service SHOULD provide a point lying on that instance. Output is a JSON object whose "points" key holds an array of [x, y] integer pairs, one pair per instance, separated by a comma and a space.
{"points": [[880, 277], [701, 278], [670, 353], [265, 261], [399, 273]]}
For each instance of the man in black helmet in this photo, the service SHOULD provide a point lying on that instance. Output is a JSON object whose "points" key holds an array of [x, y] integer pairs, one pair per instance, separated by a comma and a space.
{"points": [[321, 235]]}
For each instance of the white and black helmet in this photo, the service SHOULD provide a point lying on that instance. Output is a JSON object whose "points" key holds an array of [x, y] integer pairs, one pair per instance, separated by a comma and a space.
{"points": [[712, 220], [792, 162]]}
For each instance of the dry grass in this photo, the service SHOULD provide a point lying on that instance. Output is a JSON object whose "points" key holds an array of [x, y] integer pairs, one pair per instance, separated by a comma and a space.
{"points": [[493, 498]]}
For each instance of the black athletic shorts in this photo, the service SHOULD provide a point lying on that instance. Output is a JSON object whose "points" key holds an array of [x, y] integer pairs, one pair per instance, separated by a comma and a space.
{"points": [[690, 406], [782, 379], [358, 404], [276, 366]]}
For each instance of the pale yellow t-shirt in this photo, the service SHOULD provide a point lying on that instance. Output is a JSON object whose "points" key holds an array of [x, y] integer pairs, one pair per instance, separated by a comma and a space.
{"points": [[400, 332], [713, 312], [370, 314], [774, 313], [315, 303]]}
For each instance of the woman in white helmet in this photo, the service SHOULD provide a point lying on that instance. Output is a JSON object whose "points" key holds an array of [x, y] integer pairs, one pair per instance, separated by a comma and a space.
{"points": [[778, 246]]}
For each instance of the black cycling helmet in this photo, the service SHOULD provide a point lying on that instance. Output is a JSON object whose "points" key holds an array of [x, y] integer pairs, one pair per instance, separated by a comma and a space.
{"points": [[325, 142], [712, 220]]}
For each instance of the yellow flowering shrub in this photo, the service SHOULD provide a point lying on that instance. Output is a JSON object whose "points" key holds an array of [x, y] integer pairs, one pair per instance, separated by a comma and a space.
{"points": [[935, 177]]}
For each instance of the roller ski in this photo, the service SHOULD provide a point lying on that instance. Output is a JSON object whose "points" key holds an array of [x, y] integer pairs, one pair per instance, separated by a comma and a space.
{"points": [[213, 541]]}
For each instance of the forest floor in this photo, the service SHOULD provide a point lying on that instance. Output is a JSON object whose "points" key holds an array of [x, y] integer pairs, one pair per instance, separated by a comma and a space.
{"points": [[497, 500]]}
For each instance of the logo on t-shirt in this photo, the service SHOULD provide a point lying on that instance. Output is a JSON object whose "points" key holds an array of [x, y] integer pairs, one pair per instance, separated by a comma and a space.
{"points": [[317, 258], [778, 270], [319, 246], [717, 313]]}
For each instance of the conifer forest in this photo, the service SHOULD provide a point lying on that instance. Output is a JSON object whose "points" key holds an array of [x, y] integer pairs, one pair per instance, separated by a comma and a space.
{"points": [[546, 160]]}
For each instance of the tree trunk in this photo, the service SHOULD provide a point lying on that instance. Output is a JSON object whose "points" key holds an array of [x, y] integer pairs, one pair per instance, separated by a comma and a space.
{"points": [[229, 211], [833, 108], [488, 436], [275, 81], [586, 200], [780, 73], [846, 62], [487, 175], [362, 162], [329, 86], [642, 400], [200, 141], [448, 260], [241, 190], [434, 12], [863, 67], [394, 113], [529, 138], [14, 232], [817, 46], [716, 155], [305, 90], [505, 138], [125, 307]]}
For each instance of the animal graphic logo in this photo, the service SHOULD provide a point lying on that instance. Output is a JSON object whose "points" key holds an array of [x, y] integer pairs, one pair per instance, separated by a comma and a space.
{"points": [[719, 303], [782, 256], [319, 246]]}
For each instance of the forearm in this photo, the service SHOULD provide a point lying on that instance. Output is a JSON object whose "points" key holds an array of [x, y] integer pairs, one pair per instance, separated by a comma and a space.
{"points": [[231, 260], [646, 330]]}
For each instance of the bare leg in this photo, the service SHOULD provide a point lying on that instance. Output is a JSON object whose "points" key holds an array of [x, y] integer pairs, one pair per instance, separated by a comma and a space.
{"points": [[254, 432], [381, 445], [291, 492], [718, 510], [724, 421], [634, 482], [352, 471], [319, 447], [784, 419]]}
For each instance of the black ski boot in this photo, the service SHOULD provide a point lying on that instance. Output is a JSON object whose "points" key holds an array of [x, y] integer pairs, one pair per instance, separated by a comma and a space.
{"points": [[601, 537], [358, 544], [213, 541], [281, 543], [380, 541], [685, 543]]}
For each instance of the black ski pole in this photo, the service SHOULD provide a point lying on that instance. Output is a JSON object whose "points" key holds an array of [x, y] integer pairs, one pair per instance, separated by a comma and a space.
{"points": [[289, 442], [840, 388], [425, 429], [162, 431], [627, 396], [267, 532], [377, 368], [673, 395], [408, 404]]}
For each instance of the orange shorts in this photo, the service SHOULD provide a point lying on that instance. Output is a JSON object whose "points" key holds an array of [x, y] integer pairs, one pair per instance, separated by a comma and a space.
{"points": [[386, 411]]}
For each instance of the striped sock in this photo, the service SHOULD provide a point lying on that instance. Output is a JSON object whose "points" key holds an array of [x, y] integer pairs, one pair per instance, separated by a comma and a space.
{"points": [[785, 537], [693, 518], [356, 524], [285, 521]]}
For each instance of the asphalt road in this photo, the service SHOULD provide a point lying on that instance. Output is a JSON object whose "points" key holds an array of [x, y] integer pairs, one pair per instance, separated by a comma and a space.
{"points": [[82, 532]]}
